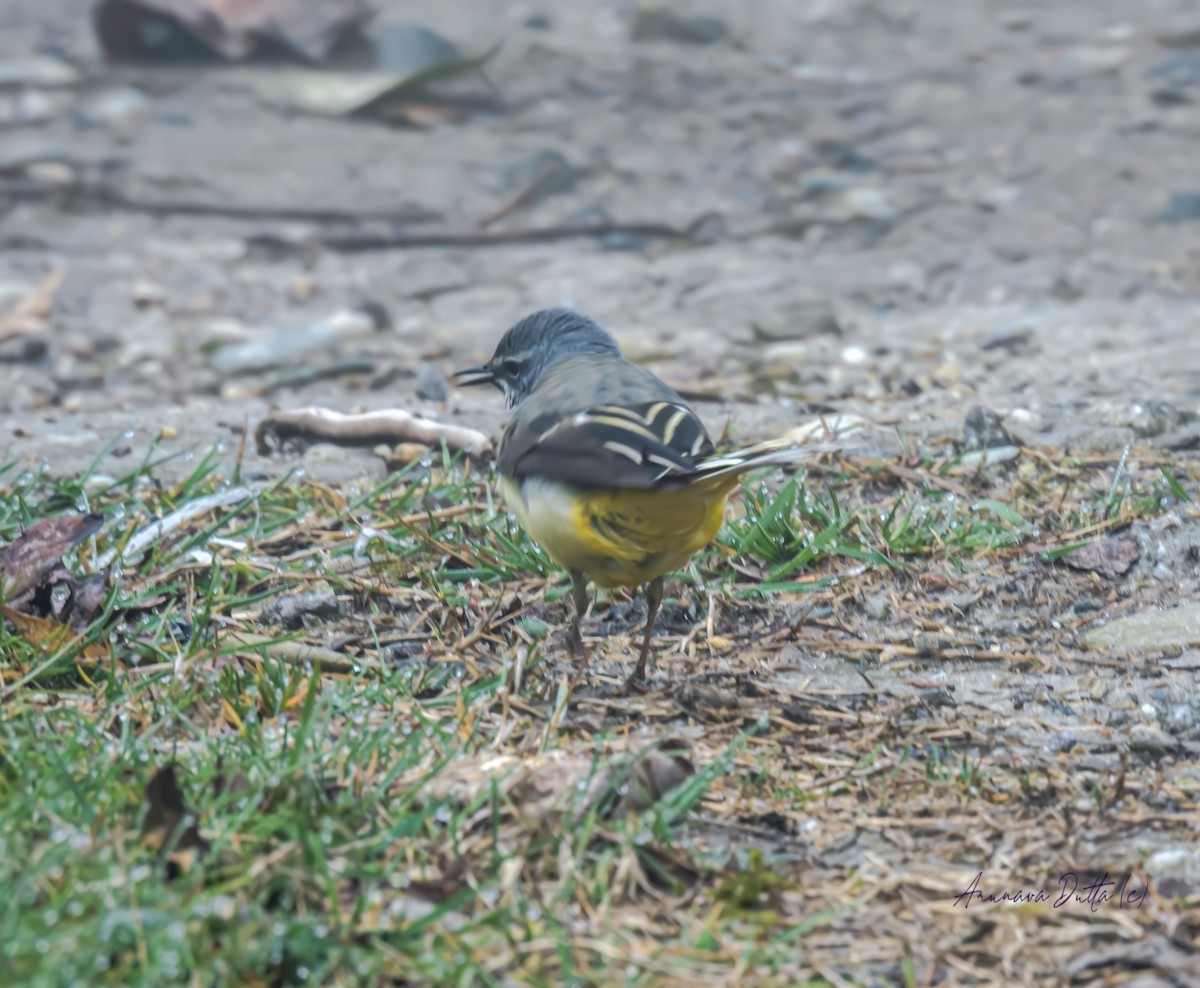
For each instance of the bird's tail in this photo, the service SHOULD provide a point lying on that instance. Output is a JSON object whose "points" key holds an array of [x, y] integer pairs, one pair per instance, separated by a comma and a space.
{"points": [[774, 452]]}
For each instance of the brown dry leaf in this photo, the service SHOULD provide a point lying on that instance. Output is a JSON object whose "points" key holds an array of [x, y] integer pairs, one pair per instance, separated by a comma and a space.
{"points": [[1111, 557], [38, 549], [232, 29], [169, 827], [31, 313], [49, 636]]}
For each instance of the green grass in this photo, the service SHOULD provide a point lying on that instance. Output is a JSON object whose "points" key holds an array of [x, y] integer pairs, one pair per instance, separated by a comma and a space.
{"points": [[337, 850]]}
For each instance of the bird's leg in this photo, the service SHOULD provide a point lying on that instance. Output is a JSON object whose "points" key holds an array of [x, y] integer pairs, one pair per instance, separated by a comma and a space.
{"points": [[579, 596], [654, 596]]}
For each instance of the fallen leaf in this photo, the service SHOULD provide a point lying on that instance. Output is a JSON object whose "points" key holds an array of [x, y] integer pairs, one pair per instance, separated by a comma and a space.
{"points": [[37, 550], [50, 636], [168, 826], [1112, 556]]}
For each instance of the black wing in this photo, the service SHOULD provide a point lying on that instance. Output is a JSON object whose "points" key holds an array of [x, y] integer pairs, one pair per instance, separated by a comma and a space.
{"points": [[655, 444]]}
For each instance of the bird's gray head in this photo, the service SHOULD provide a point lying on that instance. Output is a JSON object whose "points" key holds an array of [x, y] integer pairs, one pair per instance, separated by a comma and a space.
{"points": [[535, 344]]}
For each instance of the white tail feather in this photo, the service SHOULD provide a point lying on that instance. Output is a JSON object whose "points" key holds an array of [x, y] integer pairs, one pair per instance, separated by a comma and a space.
{"points": [[775, 452]]}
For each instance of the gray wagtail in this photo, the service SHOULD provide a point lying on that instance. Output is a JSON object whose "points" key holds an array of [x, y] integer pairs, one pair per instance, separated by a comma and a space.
{"points": [[603, 464]]}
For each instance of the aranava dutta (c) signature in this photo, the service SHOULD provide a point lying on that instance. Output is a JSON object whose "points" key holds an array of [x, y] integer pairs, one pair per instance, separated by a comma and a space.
{"points": [[1071, 892]]}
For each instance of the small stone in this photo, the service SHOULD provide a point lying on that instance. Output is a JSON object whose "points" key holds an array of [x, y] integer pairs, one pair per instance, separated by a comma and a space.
{"points": [[986, 457], [21, 154], [1027, 420], [1152, 418], [1162, 572], [947, 374], [877, 606], [146, 295], [296, 611], [1180, 719], [1085, 605], [1185, 437], [798, 321], [45, 72], [51, 173], [864, 202], [122, 111], [1148, 631], [402, 454], [982, 429], [431, 384], [1181, 207], [660, 24], [334, 465], [1014, 339], [167, 432], [1151, 740]]}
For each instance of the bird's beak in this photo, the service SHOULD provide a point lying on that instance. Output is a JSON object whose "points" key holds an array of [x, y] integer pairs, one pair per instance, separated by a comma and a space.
{"points": [[470, 376]]}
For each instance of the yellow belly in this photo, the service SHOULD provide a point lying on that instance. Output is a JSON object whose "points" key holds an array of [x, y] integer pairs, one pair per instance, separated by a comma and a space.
{"points": [[619, 538]]}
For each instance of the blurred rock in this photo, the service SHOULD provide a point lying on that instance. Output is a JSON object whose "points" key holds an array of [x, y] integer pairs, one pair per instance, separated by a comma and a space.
{"points": [[798, 321], [297, 611], [289, 345], [412, 48], [1181, 207], [983, 429], [334, 465], [661, 24], [431, 383], [1148, 631], [116, 110], [36, 72]]}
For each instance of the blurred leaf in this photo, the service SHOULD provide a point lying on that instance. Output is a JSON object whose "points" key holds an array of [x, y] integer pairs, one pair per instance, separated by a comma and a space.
{"points": [[48, 635], [169, 827], [38, 549]]}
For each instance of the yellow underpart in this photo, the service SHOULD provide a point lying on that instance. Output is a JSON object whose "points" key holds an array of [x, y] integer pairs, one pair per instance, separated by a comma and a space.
{"points": [[619, 538]]}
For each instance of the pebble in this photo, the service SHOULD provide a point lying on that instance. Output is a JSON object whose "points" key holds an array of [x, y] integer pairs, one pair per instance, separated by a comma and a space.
{"points": [[121, 111], [431, 383], [1152, 418], [798, 321], [1010, 338], [329, 464], [1152, 740], [1181, 207], [661, 24], [1085, 605], [986, 457], [864, 202], [291, 611], [1148, 631], [1028, 420], [36, 72], [1180, 719], [1163, 573], [983, 430], [877, 606]]}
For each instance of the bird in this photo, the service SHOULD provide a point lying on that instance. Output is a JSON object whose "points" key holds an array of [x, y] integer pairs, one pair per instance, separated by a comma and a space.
{"points": [[604, 465]]}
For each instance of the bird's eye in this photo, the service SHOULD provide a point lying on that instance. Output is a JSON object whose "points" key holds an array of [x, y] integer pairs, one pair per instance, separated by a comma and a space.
{"points": [[510, 366]]}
